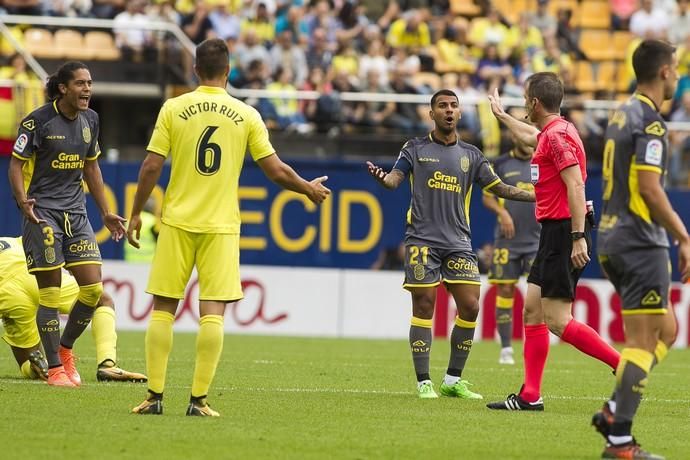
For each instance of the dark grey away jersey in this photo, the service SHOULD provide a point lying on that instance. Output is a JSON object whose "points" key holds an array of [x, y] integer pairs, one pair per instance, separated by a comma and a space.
{"points": [[441, 178], [516, 172], [636, 140], [55, 149]]}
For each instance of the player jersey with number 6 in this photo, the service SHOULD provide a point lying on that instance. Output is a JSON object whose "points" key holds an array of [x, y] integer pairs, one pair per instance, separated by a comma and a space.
{"points": [[191, 129]]}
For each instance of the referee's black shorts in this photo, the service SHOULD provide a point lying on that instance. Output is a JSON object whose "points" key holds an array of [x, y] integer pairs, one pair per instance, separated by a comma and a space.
{"points": [[552, 269]]}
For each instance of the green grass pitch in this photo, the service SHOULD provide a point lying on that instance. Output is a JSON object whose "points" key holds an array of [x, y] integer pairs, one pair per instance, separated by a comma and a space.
{"points": [[325, 398]]}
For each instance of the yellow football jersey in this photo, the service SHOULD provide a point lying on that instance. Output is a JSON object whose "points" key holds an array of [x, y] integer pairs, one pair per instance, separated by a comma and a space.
{"points": [[207, 133], [12, 258]]}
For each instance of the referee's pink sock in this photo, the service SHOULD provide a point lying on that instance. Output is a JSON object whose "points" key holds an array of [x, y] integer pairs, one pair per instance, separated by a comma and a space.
{"points": [[535, 352], [586, 339]]}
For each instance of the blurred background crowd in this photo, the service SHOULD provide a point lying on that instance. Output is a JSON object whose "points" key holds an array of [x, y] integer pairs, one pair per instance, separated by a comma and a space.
{"points": [[389, 48]]}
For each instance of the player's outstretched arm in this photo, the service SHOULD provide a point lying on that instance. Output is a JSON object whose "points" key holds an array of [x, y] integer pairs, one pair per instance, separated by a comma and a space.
{"points": [[391, 180], [148, 178], [94, 180], [663, 213], [509, 192], [525, 133], [282, 174]]}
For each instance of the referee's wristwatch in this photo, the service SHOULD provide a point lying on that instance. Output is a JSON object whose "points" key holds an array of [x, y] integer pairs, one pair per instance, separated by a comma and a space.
{"points": [[577, 235]]}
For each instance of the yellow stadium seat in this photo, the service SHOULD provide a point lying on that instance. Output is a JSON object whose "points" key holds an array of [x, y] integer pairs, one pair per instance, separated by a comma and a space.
{"points": [[70, 44], [596, 44], [584, 77], [464, 8], [595, 14], [621, 41], [511, 9], [40, 43], [606, 75], [102, 45]]}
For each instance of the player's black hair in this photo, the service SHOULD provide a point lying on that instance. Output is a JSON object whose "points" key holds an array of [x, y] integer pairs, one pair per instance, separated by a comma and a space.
{"points": [[649, 57], [443, 92], [548, 88], [212, 58], [63, 75]]}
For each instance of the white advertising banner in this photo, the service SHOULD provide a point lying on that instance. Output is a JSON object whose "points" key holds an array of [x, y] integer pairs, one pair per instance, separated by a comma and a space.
{"points": [[353, 303]]}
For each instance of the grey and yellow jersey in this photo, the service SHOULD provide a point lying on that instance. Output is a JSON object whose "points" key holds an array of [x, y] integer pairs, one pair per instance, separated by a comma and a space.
{"points": [[516, 172], [636, 140], [441, 177], [55, 149]]}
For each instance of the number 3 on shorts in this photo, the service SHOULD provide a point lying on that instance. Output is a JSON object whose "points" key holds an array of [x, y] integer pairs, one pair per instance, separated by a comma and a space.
{"points": [[50, 239]]}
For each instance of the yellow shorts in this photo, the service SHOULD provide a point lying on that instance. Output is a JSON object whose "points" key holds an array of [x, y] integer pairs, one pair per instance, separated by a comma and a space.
{"points": [[217, 260], [18, 305]]}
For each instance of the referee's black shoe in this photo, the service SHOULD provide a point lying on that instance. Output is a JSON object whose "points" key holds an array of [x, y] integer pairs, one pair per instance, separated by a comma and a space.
{"points": [[515, 402]]}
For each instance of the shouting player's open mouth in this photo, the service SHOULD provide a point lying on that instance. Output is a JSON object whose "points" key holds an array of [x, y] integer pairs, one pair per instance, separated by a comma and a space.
{"points": [[450, 120], [83, 101]]}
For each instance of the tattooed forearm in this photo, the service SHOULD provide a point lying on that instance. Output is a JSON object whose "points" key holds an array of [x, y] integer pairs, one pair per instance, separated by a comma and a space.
{"points": [[512, 193], [393, 179]]}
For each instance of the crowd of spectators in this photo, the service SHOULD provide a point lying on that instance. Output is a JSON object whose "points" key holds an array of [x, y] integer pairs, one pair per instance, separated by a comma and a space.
{"points": [[391, 47]]}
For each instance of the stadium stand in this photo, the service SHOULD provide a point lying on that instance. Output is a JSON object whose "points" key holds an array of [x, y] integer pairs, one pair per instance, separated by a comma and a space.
{"points": [[426, 41]]}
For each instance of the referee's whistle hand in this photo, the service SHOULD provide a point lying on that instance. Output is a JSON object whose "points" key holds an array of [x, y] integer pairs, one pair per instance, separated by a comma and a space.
{"points": [[579, 256]]}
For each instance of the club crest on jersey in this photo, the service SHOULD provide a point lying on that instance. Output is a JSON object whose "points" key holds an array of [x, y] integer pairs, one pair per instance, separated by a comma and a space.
{"points": [[654, 152], [86, 134], [655, 129], [465, 164], [20, 143], [30, 125]]}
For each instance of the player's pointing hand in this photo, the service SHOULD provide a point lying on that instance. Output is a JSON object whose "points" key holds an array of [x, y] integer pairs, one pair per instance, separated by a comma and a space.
{"points": [[319, 192], [376, 172]]}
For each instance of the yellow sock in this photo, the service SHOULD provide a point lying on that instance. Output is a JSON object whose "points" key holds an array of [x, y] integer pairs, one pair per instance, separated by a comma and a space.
{"points": [[660, 352], [104, 335], [209, 345], [159, 340]]}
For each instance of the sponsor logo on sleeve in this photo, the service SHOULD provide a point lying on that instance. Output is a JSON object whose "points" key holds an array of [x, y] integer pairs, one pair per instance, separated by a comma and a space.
{"points": [[20, 143], [29, 125], [654, 152], [655, 129]]}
